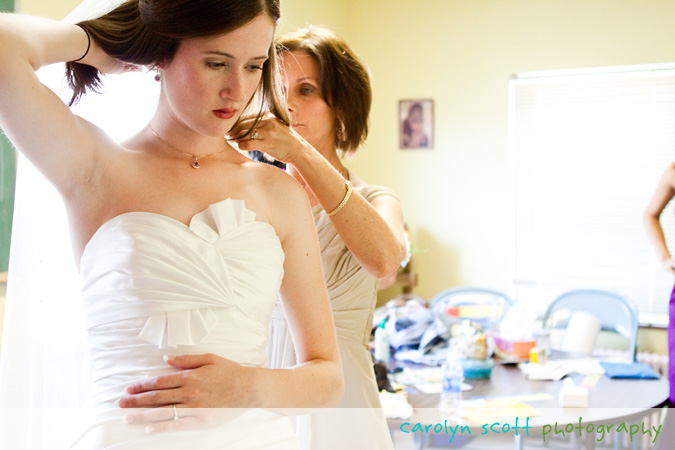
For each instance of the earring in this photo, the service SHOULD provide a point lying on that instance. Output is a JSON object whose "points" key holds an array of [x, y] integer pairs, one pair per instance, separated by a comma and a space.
{"points": [[340, 130], [158, 75]]}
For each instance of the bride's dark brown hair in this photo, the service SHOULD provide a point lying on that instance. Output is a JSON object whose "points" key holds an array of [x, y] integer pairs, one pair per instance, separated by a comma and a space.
{"points": [[148, 32]]}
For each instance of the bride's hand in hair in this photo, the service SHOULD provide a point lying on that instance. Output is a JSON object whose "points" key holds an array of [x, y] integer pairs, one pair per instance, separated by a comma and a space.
{"points": [[272, 137], [105, 63]]}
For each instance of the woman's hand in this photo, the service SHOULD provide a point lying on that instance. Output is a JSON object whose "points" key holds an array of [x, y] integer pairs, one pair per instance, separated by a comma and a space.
{"points": [[273, 137], [668, 265], [204, 381]]}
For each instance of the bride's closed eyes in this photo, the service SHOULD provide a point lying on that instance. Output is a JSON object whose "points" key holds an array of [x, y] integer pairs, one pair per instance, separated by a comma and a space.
{"points": [[224, 65]]}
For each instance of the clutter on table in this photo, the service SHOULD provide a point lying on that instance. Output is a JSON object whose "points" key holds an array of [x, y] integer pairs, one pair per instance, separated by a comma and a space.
{"points": [[418, 334], [470, 342], [515, 337]]}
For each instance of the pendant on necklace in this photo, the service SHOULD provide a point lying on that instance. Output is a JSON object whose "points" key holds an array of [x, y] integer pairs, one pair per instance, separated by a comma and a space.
{"points": [[195, 164]]}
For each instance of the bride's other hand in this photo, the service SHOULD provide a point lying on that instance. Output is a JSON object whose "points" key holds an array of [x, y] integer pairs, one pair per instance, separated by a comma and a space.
{"points": [[204, 381], [168, 418]]}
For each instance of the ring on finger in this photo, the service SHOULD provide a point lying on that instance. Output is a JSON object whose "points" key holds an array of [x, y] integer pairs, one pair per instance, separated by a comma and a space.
{"points": [[175, 413]]}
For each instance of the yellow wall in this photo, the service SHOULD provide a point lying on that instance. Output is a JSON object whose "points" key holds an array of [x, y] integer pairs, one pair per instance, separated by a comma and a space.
{"points": [[300, 13], [462, 54], [46, 8]]}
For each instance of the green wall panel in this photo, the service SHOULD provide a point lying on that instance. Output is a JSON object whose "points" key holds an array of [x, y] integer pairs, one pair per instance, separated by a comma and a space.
{"points": [[7, 5], [7, 179]]}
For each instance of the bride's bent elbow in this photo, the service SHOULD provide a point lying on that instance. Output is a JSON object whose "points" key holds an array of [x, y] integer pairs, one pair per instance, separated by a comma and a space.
{"points": [[335, 388]]}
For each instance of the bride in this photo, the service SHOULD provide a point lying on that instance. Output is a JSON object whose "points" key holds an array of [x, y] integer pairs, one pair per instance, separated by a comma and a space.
{"points": [[173, 228]]}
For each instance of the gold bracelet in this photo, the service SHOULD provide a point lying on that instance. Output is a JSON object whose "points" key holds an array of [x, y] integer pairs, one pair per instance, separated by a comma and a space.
{"points": [[344, 201]]}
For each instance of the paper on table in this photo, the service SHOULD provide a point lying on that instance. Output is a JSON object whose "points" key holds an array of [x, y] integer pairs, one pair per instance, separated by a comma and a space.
{"points": [[416, 376], [590, 381], [519, 398], [556, 369], [436, 388], [499, 410]]}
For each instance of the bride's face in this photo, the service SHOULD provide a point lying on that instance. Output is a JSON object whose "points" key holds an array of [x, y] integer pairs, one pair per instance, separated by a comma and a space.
{"points": [[210, 80]]}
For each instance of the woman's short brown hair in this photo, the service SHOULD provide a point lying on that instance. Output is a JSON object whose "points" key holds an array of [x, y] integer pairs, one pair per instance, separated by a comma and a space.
{"points": [[148, 32], [344, 83]]}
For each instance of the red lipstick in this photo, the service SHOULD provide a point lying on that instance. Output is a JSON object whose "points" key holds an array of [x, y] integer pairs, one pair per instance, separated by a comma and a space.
{"points": [[224, 113]]}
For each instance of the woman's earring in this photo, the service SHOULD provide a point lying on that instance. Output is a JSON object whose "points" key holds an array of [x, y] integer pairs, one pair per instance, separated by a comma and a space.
{"points": [[158, 76], [340, 130]]}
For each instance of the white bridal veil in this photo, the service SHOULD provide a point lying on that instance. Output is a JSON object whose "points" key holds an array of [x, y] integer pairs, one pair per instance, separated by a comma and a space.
{"points": [[43, 369]]}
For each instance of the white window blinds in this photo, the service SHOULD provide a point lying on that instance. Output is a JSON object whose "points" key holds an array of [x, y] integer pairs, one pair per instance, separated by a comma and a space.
{"points": [[587, 149]]}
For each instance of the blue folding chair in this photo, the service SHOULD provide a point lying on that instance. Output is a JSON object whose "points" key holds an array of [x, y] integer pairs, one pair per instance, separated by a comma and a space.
{"points": [[615, 313], [485, 306]]}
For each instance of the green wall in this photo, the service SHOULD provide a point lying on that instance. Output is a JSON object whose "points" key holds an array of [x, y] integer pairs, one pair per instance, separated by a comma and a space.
{"points": [[7, 178]]}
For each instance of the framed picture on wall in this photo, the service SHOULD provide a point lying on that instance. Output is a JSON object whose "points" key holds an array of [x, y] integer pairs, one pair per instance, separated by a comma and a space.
{"points": [[416, 124]]}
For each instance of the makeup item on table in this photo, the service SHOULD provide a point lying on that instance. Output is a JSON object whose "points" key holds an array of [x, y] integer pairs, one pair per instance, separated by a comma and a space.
{"points": [[538, 355]]}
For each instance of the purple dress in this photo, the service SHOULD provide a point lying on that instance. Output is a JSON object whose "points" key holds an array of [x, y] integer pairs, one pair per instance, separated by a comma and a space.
{"points": [[671, 346]]}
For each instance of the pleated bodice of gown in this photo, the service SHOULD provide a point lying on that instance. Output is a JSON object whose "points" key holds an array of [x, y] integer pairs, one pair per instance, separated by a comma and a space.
{"points": [[154, 286]]}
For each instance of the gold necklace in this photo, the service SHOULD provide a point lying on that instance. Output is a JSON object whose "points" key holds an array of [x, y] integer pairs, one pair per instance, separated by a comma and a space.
{"points": [[195, 163]]}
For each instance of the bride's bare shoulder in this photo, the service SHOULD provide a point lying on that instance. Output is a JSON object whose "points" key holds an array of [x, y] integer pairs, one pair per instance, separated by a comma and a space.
{"points": [[272, 178], [281, 193]]}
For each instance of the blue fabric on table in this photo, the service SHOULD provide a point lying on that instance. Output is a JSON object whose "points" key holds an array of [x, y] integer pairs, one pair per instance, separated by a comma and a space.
{"points": [[628, 370]]}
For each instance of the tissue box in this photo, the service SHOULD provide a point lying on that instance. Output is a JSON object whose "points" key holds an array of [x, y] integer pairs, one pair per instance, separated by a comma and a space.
{"points": [[514, 349], [573, 397]]}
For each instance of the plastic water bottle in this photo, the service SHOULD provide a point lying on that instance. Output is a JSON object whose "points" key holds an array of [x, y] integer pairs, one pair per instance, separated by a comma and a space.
{"points": [[451, 396], [382, 352]]}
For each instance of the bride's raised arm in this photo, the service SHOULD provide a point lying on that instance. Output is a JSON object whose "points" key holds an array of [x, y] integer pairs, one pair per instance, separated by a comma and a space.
{"points": [[60, 144]]}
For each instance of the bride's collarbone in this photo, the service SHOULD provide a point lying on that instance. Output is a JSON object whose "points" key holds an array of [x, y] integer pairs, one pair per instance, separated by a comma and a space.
{"points": [[142, 172], [172, 196], [137, 181]]}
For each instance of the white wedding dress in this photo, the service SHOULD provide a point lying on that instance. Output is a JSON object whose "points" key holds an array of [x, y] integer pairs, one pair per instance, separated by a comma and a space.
{"points": [[154, 286]]}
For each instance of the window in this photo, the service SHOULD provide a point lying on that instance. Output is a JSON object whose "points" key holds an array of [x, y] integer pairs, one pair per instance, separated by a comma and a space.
{"points": [[587, 149]]}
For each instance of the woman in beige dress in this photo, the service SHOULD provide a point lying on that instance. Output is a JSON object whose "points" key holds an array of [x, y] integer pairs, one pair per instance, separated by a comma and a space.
{"points": [[360, 226]]}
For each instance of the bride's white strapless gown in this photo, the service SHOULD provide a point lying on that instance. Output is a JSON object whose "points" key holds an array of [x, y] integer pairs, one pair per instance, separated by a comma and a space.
{"points": [[154, 286]]}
